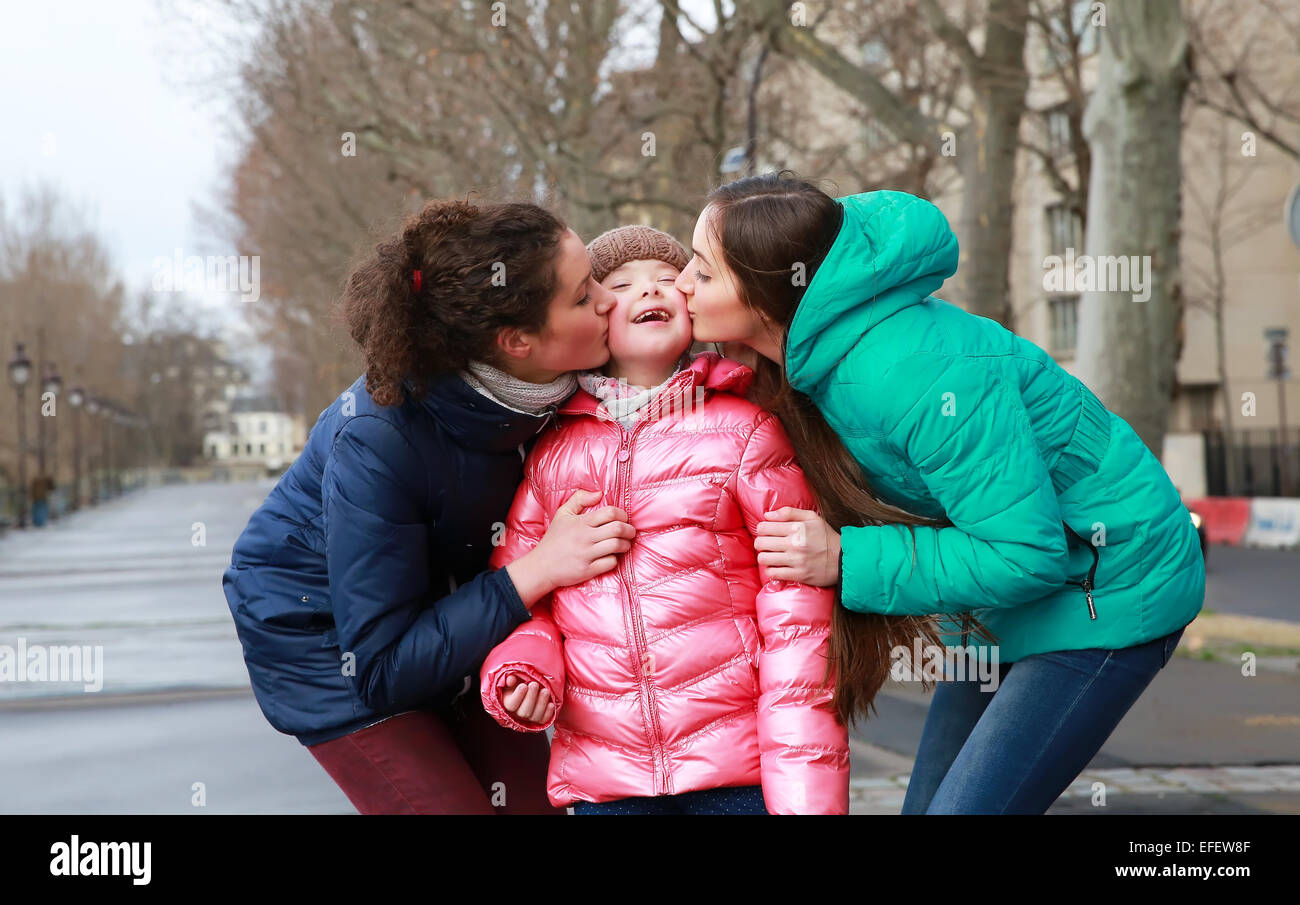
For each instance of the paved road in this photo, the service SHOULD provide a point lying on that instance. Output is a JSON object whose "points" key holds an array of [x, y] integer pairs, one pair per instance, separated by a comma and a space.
{"points": [[144, 757], [1251, 582], [129, 577]]}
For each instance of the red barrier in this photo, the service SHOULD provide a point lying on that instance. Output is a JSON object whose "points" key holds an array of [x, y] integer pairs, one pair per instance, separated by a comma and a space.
{"points": [[1226, 517]]}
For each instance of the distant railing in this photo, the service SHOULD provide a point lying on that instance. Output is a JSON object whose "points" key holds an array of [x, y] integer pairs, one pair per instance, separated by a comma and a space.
{"points": [[1258, 462]]}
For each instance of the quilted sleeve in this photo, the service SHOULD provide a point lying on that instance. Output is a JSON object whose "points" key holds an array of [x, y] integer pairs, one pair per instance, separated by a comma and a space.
{"points": [[969, 435], [804, 750], [534, 650]]}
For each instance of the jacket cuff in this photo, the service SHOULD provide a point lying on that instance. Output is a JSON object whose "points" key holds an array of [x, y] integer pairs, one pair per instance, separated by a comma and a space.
{"points": [[865, 554], [514, 603], [492, 684]]}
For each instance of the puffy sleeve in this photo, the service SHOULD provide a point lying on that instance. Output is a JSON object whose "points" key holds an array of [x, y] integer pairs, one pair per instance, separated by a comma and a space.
{"points": [[803, 748], [969, 436], [534, 650], [406, 641]]}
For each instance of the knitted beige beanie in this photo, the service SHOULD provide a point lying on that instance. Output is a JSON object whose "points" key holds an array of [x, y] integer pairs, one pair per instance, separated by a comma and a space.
{"points": [[611, 250]]}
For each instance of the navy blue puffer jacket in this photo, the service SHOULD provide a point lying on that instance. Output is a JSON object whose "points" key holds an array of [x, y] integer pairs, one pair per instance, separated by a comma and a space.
{"points": [[361, 587]]}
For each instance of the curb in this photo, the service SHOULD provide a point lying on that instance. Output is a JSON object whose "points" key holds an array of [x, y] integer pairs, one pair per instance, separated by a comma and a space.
{"points": [[1247, 629]]}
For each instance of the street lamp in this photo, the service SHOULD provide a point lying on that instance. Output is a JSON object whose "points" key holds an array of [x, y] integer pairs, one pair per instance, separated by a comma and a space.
{"points": [[106, 409], [53, 385], [120, 420], [20, 371], [76, 396], [92, 409]]}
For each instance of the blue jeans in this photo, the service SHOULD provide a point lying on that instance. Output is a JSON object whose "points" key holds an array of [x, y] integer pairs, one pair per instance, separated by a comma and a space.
{"points": [[730, 800], [1014, 751]]}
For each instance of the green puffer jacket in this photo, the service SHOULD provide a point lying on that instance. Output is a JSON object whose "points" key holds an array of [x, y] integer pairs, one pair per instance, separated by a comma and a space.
{"points": [[951, 414]]}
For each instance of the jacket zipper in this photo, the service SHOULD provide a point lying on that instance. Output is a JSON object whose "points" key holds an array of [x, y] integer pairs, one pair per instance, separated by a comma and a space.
{"points": [[638, 628], [1087, 583]]}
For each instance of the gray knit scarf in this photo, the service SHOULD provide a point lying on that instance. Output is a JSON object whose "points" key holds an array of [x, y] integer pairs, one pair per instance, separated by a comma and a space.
{"points": [[515, 394]]}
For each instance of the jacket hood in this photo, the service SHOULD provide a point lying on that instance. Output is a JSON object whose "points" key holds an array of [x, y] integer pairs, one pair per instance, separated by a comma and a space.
{"points": [[707, 369], [892, 251]]}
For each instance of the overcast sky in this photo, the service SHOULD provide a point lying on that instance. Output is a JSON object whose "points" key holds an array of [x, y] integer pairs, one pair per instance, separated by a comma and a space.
{"points": [[109, 103], [123, 107]]}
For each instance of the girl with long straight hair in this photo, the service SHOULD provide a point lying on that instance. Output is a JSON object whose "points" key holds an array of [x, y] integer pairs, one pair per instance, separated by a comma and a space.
{"points": [[961, 472]]}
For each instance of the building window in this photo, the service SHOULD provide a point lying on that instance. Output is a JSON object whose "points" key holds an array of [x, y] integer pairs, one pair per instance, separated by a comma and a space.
{"points": [[261, 449], [234, 449], [1065, 323], [261, 426], [1200, 408], [212, 450], [1058, 131], [1064, 229], [248, 449]]}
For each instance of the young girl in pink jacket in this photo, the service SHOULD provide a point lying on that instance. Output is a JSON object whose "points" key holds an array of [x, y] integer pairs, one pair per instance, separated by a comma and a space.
{"points": [[685, 680]]}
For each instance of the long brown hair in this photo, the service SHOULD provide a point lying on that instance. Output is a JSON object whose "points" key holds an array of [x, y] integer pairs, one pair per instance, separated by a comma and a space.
{"points": [[756, 222], [453, 317]]}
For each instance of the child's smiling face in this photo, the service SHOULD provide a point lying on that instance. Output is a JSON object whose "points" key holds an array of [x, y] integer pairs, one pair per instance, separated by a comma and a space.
{"points": [[648, 324]]}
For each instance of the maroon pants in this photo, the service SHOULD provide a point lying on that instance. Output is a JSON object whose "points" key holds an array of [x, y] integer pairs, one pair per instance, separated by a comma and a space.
{"points": [[453, 761]]}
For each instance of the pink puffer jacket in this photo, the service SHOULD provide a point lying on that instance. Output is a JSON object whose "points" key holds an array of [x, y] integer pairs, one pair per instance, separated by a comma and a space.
{"points": [[682, 668]]}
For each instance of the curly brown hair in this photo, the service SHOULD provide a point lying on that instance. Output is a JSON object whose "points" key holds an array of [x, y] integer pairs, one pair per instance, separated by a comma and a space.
{"points": [[483, 267]]}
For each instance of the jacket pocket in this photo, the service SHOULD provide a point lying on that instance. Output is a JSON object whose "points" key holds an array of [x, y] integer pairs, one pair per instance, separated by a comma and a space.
{"points": [[1088, 583]]}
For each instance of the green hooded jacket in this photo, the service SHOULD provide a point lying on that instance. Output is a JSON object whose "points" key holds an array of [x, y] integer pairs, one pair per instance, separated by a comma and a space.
{"points": [[951, 414]]}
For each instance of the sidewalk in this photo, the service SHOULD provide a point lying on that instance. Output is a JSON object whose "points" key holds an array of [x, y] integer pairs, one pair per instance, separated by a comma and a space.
{"points": [[880, 782], [1203, 739]]}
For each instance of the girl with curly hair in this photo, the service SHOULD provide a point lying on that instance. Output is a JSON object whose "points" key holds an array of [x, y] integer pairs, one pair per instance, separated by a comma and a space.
{"points": [[361, 589]]}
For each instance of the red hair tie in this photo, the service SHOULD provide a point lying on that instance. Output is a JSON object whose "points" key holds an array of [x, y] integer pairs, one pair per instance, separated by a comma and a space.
{"points": [[416, 278]]}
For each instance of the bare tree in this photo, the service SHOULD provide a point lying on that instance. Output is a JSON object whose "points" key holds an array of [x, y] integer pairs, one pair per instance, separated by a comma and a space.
{"points": [[1128, 350], [1244, 66], [354, 111], [1064, 35], [62, 297], [1223, 221], [986, 142]]}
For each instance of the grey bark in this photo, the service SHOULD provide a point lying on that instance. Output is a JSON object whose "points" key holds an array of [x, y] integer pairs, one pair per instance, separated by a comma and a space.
{"points": [[1128, 350]]}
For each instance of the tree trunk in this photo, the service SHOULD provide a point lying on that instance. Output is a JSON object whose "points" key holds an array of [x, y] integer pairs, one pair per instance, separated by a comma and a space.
{"points": [[986, 154], [1128, 349], [986, 149]]}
